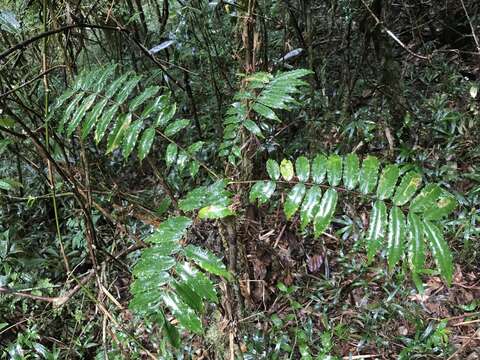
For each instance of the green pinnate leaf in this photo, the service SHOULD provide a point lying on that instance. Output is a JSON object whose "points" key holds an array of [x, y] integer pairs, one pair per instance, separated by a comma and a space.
{"points": [[416, 244], [409, 185], [325, 212], [368, 174], [319, 168], [207, 261], [118, 133], [440, 250], [396, 237], [442, 207], [103, 123], [142, 97], [93, 117], [131, 137], [188, 295], [171, 230], [310, 206], [302, 166], [145, 143], [286, 169], [80, 113], [176, 126], [376, 229], [334, 169], [253, 128], [262, 191], [215, 212], [201, 284], [166, 114], [351, 171], [426, 198], [185, 315], [273, 169], [171, 154], [293, 201], [387, 182]]}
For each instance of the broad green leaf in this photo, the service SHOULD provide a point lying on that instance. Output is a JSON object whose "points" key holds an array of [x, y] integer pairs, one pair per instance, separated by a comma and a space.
{"points": [[319, 168], [166, 115], [152, 262], [150, 279], [408, 186], [416, 245], [154, 105], [215, 212], [273, 169], [207, 261], [443, 206], [262, 190], [7, 122], [116, 84], [69, 110], [293, 201], [253, 128], [265, 111], [193, 168], [172, 229], [141, 98], [302, 166], [172, 333], [92, 117], [145, 143], [396, 237], [286, 169], [188, 295], [80, 113], [118, 133], [182, 312], [369, 174], [440, 250], [176, 126], [201, 284], [334, 169], [171, 154], [310, 206], [131, 138], [351, 171], [214, 194], [105, 120], [325, 212], [126, 90], [426, 198], [376, 230], [387, 182]]}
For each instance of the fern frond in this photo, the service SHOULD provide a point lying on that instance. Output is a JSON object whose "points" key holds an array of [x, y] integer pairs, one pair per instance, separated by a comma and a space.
{"points": [[392, 195], [112, 107], [263, 95]]}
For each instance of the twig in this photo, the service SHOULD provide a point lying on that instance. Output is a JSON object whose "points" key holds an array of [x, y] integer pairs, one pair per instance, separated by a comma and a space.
{"points": [[475, 38]]}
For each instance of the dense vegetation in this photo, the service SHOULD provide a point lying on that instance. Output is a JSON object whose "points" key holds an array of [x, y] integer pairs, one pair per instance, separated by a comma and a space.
{"points": [[276, 179]]}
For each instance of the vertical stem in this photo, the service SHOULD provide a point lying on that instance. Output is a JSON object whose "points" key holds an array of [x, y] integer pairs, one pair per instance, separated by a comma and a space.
{"points": [[47, 136]]}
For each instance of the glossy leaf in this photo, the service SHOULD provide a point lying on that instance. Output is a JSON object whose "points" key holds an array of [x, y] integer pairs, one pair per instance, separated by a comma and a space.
{"points": [[325, 212], [214, 194], [215, 212], [172, 229], [387, 182], [368, 174], [131, 137], [253, 128], [409, 185], [105, 120], [80, 113], [376, 230], [262, 190], [145, 143], [176, 126], [171, 154], [142, 97], [201, 284], [188, 295], [294, 199], [118, 133], [273, 169], [416, 244], [310, 206], [207, 261], [182, 312], [443, 206], [426, 198], [286, 169], [302, 166], [351, 171], [440, 250], [319, 168], [396, 237], [334, 169], [166, 115], [93, 117]]}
